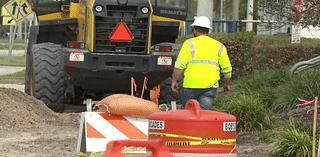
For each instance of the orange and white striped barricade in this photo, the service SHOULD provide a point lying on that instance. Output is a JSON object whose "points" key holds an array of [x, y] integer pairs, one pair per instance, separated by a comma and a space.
{"points": [[97, 129]]}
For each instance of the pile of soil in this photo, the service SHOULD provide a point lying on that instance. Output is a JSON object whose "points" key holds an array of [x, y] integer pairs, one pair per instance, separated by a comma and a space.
{"points": [[29, 128]]}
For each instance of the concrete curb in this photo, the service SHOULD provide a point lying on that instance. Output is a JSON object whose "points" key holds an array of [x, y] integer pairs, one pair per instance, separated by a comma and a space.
{"points": [[5, 70], [14, 86]]}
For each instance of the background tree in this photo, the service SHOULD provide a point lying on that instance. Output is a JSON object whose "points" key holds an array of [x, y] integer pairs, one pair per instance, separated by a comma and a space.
{"points": [[283, 11], [192, 8]]}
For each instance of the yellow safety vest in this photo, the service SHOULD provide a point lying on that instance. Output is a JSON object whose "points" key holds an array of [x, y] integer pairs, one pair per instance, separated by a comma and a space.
{"points": [[202, 56]]}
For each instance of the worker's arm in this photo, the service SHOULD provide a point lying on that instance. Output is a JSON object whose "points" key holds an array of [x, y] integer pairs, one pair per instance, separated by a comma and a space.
{"points": [[227, 77], [179, 66], [227, 86], [175, 76], [226, 70]]}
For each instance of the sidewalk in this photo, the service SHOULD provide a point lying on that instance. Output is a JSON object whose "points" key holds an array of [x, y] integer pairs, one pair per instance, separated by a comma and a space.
{"points": [[14, 53], [14, 86], [5, 70]]}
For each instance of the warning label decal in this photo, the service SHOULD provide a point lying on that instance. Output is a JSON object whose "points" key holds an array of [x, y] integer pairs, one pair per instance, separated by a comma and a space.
{"points": [[156, 124], [229, 126]]}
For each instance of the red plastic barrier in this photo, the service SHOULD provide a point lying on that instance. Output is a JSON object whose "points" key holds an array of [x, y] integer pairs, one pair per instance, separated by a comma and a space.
{"points": [[195, 131], [156, 146]]}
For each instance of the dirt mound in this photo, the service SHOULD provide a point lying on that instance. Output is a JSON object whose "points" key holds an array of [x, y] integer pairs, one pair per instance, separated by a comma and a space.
{"points": [[29, 128], [19, 111]]}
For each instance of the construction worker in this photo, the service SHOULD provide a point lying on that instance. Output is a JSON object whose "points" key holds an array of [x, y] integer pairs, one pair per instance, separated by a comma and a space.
{"points": [[201, 59]]}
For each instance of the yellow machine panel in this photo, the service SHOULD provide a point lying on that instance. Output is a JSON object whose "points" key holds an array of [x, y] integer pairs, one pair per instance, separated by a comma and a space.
{"points": [[89, 25]]}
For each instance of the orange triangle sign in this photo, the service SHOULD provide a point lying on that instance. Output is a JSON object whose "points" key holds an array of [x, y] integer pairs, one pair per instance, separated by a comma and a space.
{"points": [[121, 33], [92, 132]]}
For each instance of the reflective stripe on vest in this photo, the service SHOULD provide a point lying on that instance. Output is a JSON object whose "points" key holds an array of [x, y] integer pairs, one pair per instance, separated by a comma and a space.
{"points": [[193, 52]]}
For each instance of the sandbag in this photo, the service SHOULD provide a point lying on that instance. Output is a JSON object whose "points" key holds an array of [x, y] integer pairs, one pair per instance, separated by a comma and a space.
{"points": [[126, 105]]}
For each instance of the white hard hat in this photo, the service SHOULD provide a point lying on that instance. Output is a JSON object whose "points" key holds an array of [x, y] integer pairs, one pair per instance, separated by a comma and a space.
{"points": [[202, 21]]}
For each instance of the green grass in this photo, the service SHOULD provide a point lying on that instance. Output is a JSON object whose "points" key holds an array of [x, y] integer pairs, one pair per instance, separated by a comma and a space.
{"points": [[268, 137], [14, 61], [276, 90], [304, 85], [251, 102], [15, 41], [251, 113], [273, 39], [15, 47], [264, 84], [296, 140]]}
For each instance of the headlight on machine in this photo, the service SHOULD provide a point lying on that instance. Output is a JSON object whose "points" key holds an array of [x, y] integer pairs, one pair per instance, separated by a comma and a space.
{"points": [[98, 8], [145, 10]]}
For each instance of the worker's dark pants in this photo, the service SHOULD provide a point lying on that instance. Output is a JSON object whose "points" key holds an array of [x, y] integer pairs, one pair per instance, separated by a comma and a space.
{"points": [[204, 96]]}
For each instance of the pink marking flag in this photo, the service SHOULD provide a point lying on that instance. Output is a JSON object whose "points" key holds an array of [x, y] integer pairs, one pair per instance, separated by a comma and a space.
{"points": [[305, 102]]}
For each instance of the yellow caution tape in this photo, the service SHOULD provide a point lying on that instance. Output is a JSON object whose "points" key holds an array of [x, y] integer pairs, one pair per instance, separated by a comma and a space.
{"points": [[195, 143], [202, 141], [173, 135]]}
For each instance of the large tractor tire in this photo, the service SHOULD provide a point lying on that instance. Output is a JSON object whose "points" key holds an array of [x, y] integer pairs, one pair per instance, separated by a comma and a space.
{"points": [[45, 78], [166, 93]]}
